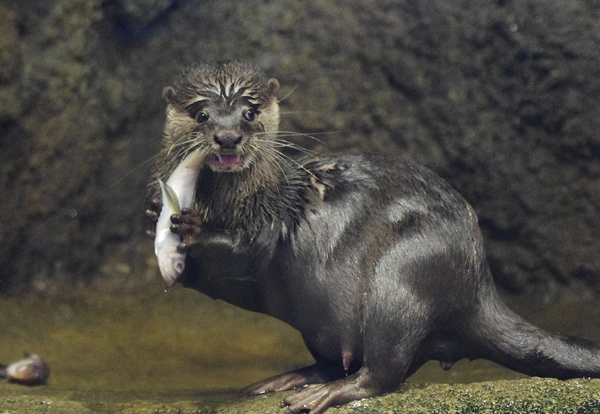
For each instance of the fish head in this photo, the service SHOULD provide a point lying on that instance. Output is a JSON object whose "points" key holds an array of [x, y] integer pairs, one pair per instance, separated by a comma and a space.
{"points": [[172, 265]]}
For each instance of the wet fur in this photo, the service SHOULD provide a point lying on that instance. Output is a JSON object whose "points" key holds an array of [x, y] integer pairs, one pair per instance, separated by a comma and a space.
{"points": [[375, 260]]}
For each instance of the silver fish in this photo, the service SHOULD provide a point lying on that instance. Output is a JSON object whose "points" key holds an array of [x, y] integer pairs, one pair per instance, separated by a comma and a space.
{"points": [[177, 193]]}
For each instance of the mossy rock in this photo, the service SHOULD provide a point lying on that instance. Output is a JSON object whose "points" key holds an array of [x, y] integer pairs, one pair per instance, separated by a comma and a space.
{"points": [[534, 395]]}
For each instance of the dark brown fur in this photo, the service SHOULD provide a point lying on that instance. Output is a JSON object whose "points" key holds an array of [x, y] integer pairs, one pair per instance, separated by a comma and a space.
{"points": [[375, 260]]}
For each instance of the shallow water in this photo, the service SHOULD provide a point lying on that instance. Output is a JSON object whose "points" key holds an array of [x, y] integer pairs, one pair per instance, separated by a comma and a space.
{"points": [[139, 339], [146, 339]]}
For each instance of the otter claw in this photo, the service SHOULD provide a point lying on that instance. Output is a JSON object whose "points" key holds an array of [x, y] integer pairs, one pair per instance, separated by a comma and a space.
{"points": [[156, 204], [187, 216], [152, 214]]}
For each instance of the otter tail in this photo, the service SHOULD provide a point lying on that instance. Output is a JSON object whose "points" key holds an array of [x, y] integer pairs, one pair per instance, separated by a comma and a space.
{"points": [[505, 338]]}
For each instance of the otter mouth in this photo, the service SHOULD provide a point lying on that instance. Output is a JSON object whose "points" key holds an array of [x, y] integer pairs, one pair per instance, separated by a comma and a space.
{"points": [[225, 162]]}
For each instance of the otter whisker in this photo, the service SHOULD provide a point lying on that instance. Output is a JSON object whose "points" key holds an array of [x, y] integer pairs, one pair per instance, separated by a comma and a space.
{"points": [[182, 141], [288, 144], [272, 153], [140, 165], [300, 150], [154, 157], [286, 134], [284, 156], [307, 135], [291, 145], [288, 94], [296, 133]]}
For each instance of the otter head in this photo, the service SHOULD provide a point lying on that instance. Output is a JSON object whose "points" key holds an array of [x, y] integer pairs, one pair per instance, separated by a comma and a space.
{"points": [[226, 110]]}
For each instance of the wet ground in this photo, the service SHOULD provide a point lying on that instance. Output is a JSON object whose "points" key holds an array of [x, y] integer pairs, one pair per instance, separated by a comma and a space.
{"points": [[131, 347]]}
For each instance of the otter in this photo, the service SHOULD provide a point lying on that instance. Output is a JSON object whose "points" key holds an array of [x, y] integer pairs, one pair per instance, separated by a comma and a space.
{"points": [[375, 260]]}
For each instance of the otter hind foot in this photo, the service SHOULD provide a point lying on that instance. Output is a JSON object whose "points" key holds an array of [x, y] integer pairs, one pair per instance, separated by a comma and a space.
{"points": [[319, 397], [314, 374], [281, 382]]}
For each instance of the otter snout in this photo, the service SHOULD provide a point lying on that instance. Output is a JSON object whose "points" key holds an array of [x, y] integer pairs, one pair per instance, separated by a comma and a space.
{"points": [[228, 158], [227, 139]]}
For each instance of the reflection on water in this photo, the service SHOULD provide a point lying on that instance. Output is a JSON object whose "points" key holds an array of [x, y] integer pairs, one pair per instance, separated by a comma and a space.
{"points": [[146, 339], [141, 338]]}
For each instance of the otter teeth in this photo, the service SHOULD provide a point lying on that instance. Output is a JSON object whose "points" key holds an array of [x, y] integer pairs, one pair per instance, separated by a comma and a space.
{"points": [[228, 161]]}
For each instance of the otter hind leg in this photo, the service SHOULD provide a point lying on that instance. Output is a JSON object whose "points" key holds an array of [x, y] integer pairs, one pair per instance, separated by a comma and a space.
{"points": [[390, 353], [382, 371]]}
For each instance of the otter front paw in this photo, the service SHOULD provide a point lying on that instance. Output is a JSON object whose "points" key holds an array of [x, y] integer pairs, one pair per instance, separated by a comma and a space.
{"points": [[152, 213], [187, 225]]}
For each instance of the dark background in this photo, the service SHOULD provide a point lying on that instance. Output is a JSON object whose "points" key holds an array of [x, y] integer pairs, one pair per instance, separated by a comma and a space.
{"points": [[501, 98]]}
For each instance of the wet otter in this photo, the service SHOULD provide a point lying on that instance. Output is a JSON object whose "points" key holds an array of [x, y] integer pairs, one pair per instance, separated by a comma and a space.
{"points": [[375, 260]]}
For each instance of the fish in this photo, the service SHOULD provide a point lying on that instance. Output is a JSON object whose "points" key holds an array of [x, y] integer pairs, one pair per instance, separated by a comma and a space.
{"points": [[32, 370], [177, 193]]}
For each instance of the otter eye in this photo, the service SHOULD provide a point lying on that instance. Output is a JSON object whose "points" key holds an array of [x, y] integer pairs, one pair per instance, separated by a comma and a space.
{"points": [[249, 114], [201, 117], [196, 111]]}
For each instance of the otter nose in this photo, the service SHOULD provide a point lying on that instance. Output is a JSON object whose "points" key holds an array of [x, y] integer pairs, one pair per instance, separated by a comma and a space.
{"points": [[227, 140]]}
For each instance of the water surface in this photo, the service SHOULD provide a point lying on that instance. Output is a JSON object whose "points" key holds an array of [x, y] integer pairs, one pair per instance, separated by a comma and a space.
{"points": [[138, 338]]}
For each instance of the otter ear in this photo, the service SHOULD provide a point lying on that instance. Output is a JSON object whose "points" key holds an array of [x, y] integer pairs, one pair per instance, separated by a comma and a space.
{"points": [[169, 94], [272, 87]]}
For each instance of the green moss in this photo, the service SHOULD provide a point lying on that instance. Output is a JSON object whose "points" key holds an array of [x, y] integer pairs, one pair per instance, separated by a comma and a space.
{"points": [[543, 396], [534, 395], [37, 404]]}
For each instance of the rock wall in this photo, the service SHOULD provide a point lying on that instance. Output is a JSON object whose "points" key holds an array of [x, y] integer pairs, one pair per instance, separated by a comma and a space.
{"points": [[502, 98]]}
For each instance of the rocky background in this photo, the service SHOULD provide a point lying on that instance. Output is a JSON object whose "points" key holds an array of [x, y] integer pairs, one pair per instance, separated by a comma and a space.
{"points": [[502, 98]]}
